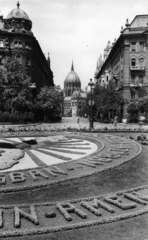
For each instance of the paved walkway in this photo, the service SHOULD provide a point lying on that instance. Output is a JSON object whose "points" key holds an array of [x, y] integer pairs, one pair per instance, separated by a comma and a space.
{"points": [[84, 122]]}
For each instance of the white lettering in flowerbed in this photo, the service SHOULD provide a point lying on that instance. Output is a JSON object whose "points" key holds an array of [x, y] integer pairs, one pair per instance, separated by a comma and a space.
{"points": [[108, 156], [103, 209], [35, 174], [100, 160]]}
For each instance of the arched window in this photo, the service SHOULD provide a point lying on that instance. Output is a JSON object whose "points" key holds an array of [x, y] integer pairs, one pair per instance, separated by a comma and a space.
{"points": [[18, 58], [133, 62], [28, 61], [141, 62], [18, 44], [1, 43]]}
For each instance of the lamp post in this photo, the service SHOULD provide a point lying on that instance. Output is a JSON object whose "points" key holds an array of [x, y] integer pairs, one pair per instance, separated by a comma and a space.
{"points": [[63, 107], [91, 84], [77, 98]]}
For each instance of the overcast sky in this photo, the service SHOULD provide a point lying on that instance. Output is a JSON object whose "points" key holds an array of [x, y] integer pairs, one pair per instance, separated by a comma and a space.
{"points": [[76, 30]]}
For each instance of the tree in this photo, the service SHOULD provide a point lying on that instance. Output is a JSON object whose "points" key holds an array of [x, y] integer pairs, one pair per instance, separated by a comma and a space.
{"points": [[139, 91], [108, 101], [15, 91], [142, 104], [133, 110], [49, 102]]}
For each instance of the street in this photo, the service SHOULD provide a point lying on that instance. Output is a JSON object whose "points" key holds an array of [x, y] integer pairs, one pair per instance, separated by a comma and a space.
{"points": [[84, 122]]}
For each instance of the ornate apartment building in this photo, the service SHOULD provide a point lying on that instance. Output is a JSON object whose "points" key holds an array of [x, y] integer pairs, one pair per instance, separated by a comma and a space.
{"points": [[17, 40], [125, 61]]}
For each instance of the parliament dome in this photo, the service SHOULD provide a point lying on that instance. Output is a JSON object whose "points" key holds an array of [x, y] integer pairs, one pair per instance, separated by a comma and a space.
{"points": [[72, 82], [18, 13], [72, 76]]}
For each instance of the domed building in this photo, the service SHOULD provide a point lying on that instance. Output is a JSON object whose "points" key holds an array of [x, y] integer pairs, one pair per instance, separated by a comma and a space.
{"points": [[18, 41], [72, 82], [74, 97]]}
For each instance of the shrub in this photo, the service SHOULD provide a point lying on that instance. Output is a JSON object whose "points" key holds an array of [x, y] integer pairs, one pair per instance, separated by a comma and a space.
{"points": [[31, 116], [6, 116], [1, 116], [25, 115]]}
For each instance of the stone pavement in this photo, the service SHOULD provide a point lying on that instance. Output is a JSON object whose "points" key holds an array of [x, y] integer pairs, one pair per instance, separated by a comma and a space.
{"points": [[84, 122]]}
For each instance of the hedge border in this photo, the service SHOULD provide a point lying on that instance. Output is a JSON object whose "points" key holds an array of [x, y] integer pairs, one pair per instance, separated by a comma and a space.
{"points": [[47, 230]]}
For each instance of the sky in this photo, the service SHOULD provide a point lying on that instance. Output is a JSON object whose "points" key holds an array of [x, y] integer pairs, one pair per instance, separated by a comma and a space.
{"points": [[76, 30]]}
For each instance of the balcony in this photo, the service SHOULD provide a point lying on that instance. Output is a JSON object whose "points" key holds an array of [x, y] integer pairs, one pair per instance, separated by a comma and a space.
{"points": [[137, 68], [137, 83]]}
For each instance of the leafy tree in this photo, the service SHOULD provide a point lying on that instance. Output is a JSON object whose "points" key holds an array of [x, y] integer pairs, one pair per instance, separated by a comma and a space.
{"points": [[107, 99], [15, 91], [139, 91], [132, 108], [142, 104], [49, 102]]}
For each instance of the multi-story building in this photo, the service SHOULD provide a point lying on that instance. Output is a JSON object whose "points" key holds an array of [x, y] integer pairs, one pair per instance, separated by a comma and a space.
{"points": [[125, 61], [17, 40]]}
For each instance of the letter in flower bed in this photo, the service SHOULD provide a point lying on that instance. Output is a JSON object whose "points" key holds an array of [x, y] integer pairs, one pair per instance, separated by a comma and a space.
{"points": [[66, 208], [31, 217], [118, 202]]}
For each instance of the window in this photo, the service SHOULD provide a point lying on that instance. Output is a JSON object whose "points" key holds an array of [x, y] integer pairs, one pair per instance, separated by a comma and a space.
{"points": [[27, 45], [1, 43], [1, 60], [15, 44], [18, 44], [141, 62], [142, 46], [18, 58], [133, 46], [133, 62]]}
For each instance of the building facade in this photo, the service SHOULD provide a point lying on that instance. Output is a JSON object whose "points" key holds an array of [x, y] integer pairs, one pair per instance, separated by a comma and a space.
{"points": [[17, 40], [125, 61], [75, 98]]}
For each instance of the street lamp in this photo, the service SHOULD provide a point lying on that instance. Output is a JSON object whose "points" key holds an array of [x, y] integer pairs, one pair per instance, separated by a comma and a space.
{"points": [[91, 84], [77, 98], [63, 106]]}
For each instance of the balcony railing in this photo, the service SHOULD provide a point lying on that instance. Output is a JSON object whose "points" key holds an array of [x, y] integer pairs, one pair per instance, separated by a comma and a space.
{"points": [[135, 84], [137, 68]]}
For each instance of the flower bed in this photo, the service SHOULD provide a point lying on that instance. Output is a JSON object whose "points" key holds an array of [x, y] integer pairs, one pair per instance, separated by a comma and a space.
{"points": [[44, 129], [10, 157]]}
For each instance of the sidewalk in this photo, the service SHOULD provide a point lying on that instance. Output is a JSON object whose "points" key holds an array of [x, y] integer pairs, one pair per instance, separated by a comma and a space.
{"points": [[84, 123], [122, 125]]}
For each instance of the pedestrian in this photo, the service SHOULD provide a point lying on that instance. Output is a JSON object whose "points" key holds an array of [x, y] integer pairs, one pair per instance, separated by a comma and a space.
{"points": [[115, 121], [78, 120]]}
